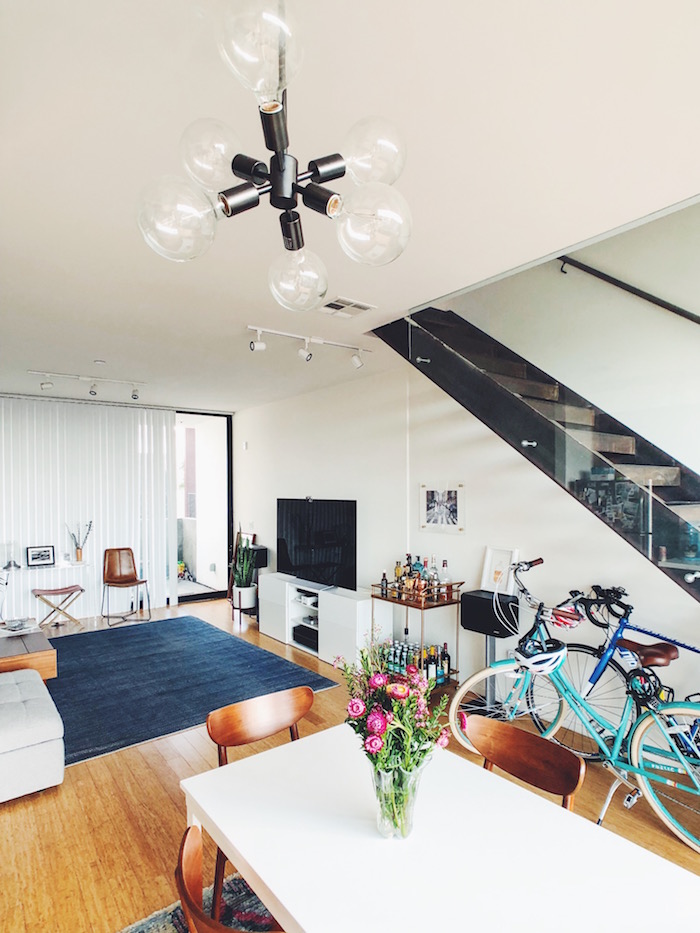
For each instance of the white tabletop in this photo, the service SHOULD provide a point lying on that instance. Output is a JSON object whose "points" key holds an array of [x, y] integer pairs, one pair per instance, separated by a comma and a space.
{"points": [[299, 823]]}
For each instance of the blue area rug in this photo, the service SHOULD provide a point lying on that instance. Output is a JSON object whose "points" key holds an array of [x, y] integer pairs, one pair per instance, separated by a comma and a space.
{"points": [[121, 686]]}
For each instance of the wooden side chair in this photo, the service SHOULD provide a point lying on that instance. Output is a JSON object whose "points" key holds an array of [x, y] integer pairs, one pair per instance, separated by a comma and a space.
{"points": [[119, 570], [250, 721], [188, 878], [527, 756]]}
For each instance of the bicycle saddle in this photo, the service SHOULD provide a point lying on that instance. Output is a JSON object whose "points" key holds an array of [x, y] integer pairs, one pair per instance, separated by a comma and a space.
{"points": [[660, 654]]}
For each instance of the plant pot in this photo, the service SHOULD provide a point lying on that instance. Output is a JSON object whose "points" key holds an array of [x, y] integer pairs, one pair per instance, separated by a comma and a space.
{"points": [[242, 597]]}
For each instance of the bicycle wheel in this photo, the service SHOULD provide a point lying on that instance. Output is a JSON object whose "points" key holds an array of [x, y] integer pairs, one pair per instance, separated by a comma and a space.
{"points": [[671, 779], [499, 692], [607, 698]]}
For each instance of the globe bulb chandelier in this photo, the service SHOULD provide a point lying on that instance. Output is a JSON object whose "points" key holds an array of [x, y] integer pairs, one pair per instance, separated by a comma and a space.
{"points": [[178, 216]]}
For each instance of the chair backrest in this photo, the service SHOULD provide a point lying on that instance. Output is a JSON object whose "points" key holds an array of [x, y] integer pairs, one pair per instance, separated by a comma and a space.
{"points": [[119, 566], [527, 756], [188, 878], [258, 718]]}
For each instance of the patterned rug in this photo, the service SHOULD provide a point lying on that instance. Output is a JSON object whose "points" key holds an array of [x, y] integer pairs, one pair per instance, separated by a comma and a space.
{"points": [[241, 909]]}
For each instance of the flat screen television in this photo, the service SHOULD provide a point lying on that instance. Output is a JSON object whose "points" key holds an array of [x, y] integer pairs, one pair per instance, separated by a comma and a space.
{"points": [[317, 540]]}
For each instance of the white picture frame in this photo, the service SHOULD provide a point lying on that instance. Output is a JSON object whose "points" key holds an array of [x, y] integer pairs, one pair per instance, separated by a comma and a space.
{"points": [[441, 507], [497, 562]]}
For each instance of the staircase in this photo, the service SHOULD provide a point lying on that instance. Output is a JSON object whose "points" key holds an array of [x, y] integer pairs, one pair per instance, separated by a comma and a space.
{"points": [[642, 493]]}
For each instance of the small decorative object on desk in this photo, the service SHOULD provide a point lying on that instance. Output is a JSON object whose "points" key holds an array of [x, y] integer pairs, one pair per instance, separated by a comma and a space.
{"points": [[391, 714], [79, 538]]}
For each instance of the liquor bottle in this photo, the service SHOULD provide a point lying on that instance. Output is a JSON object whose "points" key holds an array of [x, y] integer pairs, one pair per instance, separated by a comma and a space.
{"points": [[403, 659], [446, 661], [384, 585], [439, 669], [434, 579], [417, 566], [398, 572], [445, 580]]}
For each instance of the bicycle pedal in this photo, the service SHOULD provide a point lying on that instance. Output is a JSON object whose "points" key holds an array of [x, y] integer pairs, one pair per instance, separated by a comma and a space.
{"points": [[632, 798]]}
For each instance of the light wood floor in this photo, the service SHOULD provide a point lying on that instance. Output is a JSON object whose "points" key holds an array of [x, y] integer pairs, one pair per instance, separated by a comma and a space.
{"points": [[98, 852]]}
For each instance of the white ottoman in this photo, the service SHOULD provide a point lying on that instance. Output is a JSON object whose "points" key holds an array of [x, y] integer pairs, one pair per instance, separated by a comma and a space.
{"points": [[32, 755]]}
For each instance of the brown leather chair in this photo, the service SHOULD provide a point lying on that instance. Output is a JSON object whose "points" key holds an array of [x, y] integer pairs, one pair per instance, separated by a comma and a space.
{"points": [[250, 721], [188, 878], [527, 756], [119, 570]]}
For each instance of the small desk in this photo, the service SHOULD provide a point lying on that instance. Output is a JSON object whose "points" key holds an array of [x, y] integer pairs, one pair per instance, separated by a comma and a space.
{"points": [[32, 650], [299, 823]]}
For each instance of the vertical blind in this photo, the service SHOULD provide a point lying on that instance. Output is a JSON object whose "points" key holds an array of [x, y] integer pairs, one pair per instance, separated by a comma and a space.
{"points": [[65, 464]]}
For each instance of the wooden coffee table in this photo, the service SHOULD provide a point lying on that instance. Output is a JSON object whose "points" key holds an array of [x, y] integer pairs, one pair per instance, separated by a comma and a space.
{"points": [[32, 650]]}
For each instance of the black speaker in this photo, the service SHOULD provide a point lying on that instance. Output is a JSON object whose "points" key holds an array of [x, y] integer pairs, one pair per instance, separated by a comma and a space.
{"points": [[260, 555], [477, 615]]}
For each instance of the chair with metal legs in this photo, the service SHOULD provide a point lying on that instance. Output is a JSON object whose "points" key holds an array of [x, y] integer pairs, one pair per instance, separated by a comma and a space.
{"points": [[119, 571]]}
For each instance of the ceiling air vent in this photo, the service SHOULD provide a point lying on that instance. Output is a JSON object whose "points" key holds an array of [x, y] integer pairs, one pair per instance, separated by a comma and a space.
{"points": [[346, 307]]}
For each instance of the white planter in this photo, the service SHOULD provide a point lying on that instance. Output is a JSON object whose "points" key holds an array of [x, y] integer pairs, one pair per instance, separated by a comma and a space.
{"points": [[243, 597]]}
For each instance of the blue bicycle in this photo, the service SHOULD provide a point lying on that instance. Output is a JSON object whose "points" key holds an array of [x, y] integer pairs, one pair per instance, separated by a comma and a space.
{"points": [[582, 697]]}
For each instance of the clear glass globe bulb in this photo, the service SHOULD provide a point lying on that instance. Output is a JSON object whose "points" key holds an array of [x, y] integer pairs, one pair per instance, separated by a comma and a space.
{"points": [[259, 46], [298, 280], [176, 218], [207, 148], [374, 150], [375, 225]]}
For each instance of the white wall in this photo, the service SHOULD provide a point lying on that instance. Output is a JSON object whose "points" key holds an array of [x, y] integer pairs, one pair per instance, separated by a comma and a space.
{"points": [[378, 439]]}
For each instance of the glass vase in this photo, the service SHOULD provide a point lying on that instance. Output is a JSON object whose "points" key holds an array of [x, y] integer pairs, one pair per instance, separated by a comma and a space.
{"points": [[396, 796]]}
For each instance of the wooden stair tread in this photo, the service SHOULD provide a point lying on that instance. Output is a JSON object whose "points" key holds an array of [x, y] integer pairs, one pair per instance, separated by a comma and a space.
{"points": [[606, 443], [642, 474], [688, 511], [494, 364], [565, 414], [529, 388]]}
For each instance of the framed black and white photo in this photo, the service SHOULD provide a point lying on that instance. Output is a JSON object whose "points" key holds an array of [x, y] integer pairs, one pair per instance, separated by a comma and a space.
{"points": [[40, 556], [442, 507]]}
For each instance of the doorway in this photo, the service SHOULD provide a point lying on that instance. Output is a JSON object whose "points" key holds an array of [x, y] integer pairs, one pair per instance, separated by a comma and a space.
{"points": [[204, 505]]}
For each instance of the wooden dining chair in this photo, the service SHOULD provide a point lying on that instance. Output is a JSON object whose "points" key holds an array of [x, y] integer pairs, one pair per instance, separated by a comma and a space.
{"points": [[250, 721], [527, 756], [188, 878]]}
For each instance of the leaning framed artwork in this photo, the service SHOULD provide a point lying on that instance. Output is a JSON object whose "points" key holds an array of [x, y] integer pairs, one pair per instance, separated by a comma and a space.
{"points": [[40, 556], [441, 507], [496, 574]]}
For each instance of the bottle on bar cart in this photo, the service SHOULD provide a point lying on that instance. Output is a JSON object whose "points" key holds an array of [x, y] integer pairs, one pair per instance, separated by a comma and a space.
{"points": [[445, 581]]}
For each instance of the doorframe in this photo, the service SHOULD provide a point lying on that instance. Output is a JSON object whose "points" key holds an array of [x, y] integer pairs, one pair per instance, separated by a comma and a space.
{"points": [[218, 594]]}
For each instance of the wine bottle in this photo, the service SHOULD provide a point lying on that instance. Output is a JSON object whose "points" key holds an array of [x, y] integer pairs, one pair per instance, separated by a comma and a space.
{"points": [[384, 585], [446, 662], [432, 664]]}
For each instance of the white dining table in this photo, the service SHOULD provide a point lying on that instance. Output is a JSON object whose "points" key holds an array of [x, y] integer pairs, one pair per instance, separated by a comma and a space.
{"points": [[299, 823]]}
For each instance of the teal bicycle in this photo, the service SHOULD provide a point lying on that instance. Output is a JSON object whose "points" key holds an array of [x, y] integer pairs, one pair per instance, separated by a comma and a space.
{"points": [[647, 740]]}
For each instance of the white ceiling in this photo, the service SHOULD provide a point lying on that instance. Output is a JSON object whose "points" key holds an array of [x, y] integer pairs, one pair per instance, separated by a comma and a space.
{"points": [[530, 128]]}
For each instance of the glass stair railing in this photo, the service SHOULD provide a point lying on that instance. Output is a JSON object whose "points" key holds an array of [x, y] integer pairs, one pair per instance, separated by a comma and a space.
{"points": [[642, 493]]}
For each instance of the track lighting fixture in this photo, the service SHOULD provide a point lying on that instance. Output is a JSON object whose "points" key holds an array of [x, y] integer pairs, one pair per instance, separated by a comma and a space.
{"points": [[94, 381], [304, 352], [258, 41], [259, 344]]}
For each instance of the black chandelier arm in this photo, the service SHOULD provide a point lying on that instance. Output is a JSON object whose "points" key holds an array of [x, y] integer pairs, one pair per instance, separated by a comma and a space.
{"points": [[250, 169], [242, 197], [326, 168], [320, 199], [274, 124], [292, 234]]}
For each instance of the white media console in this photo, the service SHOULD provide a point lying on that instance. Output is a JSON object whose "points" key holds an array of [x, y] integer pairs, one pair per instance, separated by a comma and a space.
{"points": [[326, 622]]}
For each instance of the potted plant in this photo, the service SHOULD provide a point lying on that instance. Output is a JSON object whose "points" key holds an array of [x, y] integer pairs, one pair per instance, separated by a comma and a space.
{"points": [[243, 591]]}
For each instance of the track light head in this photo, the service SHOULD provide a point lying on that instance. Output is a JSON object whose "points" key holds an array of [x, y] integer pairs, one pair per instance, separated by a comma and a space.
{"points": [[357, 360], [304, 352], [258, 345], [135, 394], [46, 385], [93, 389]]}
